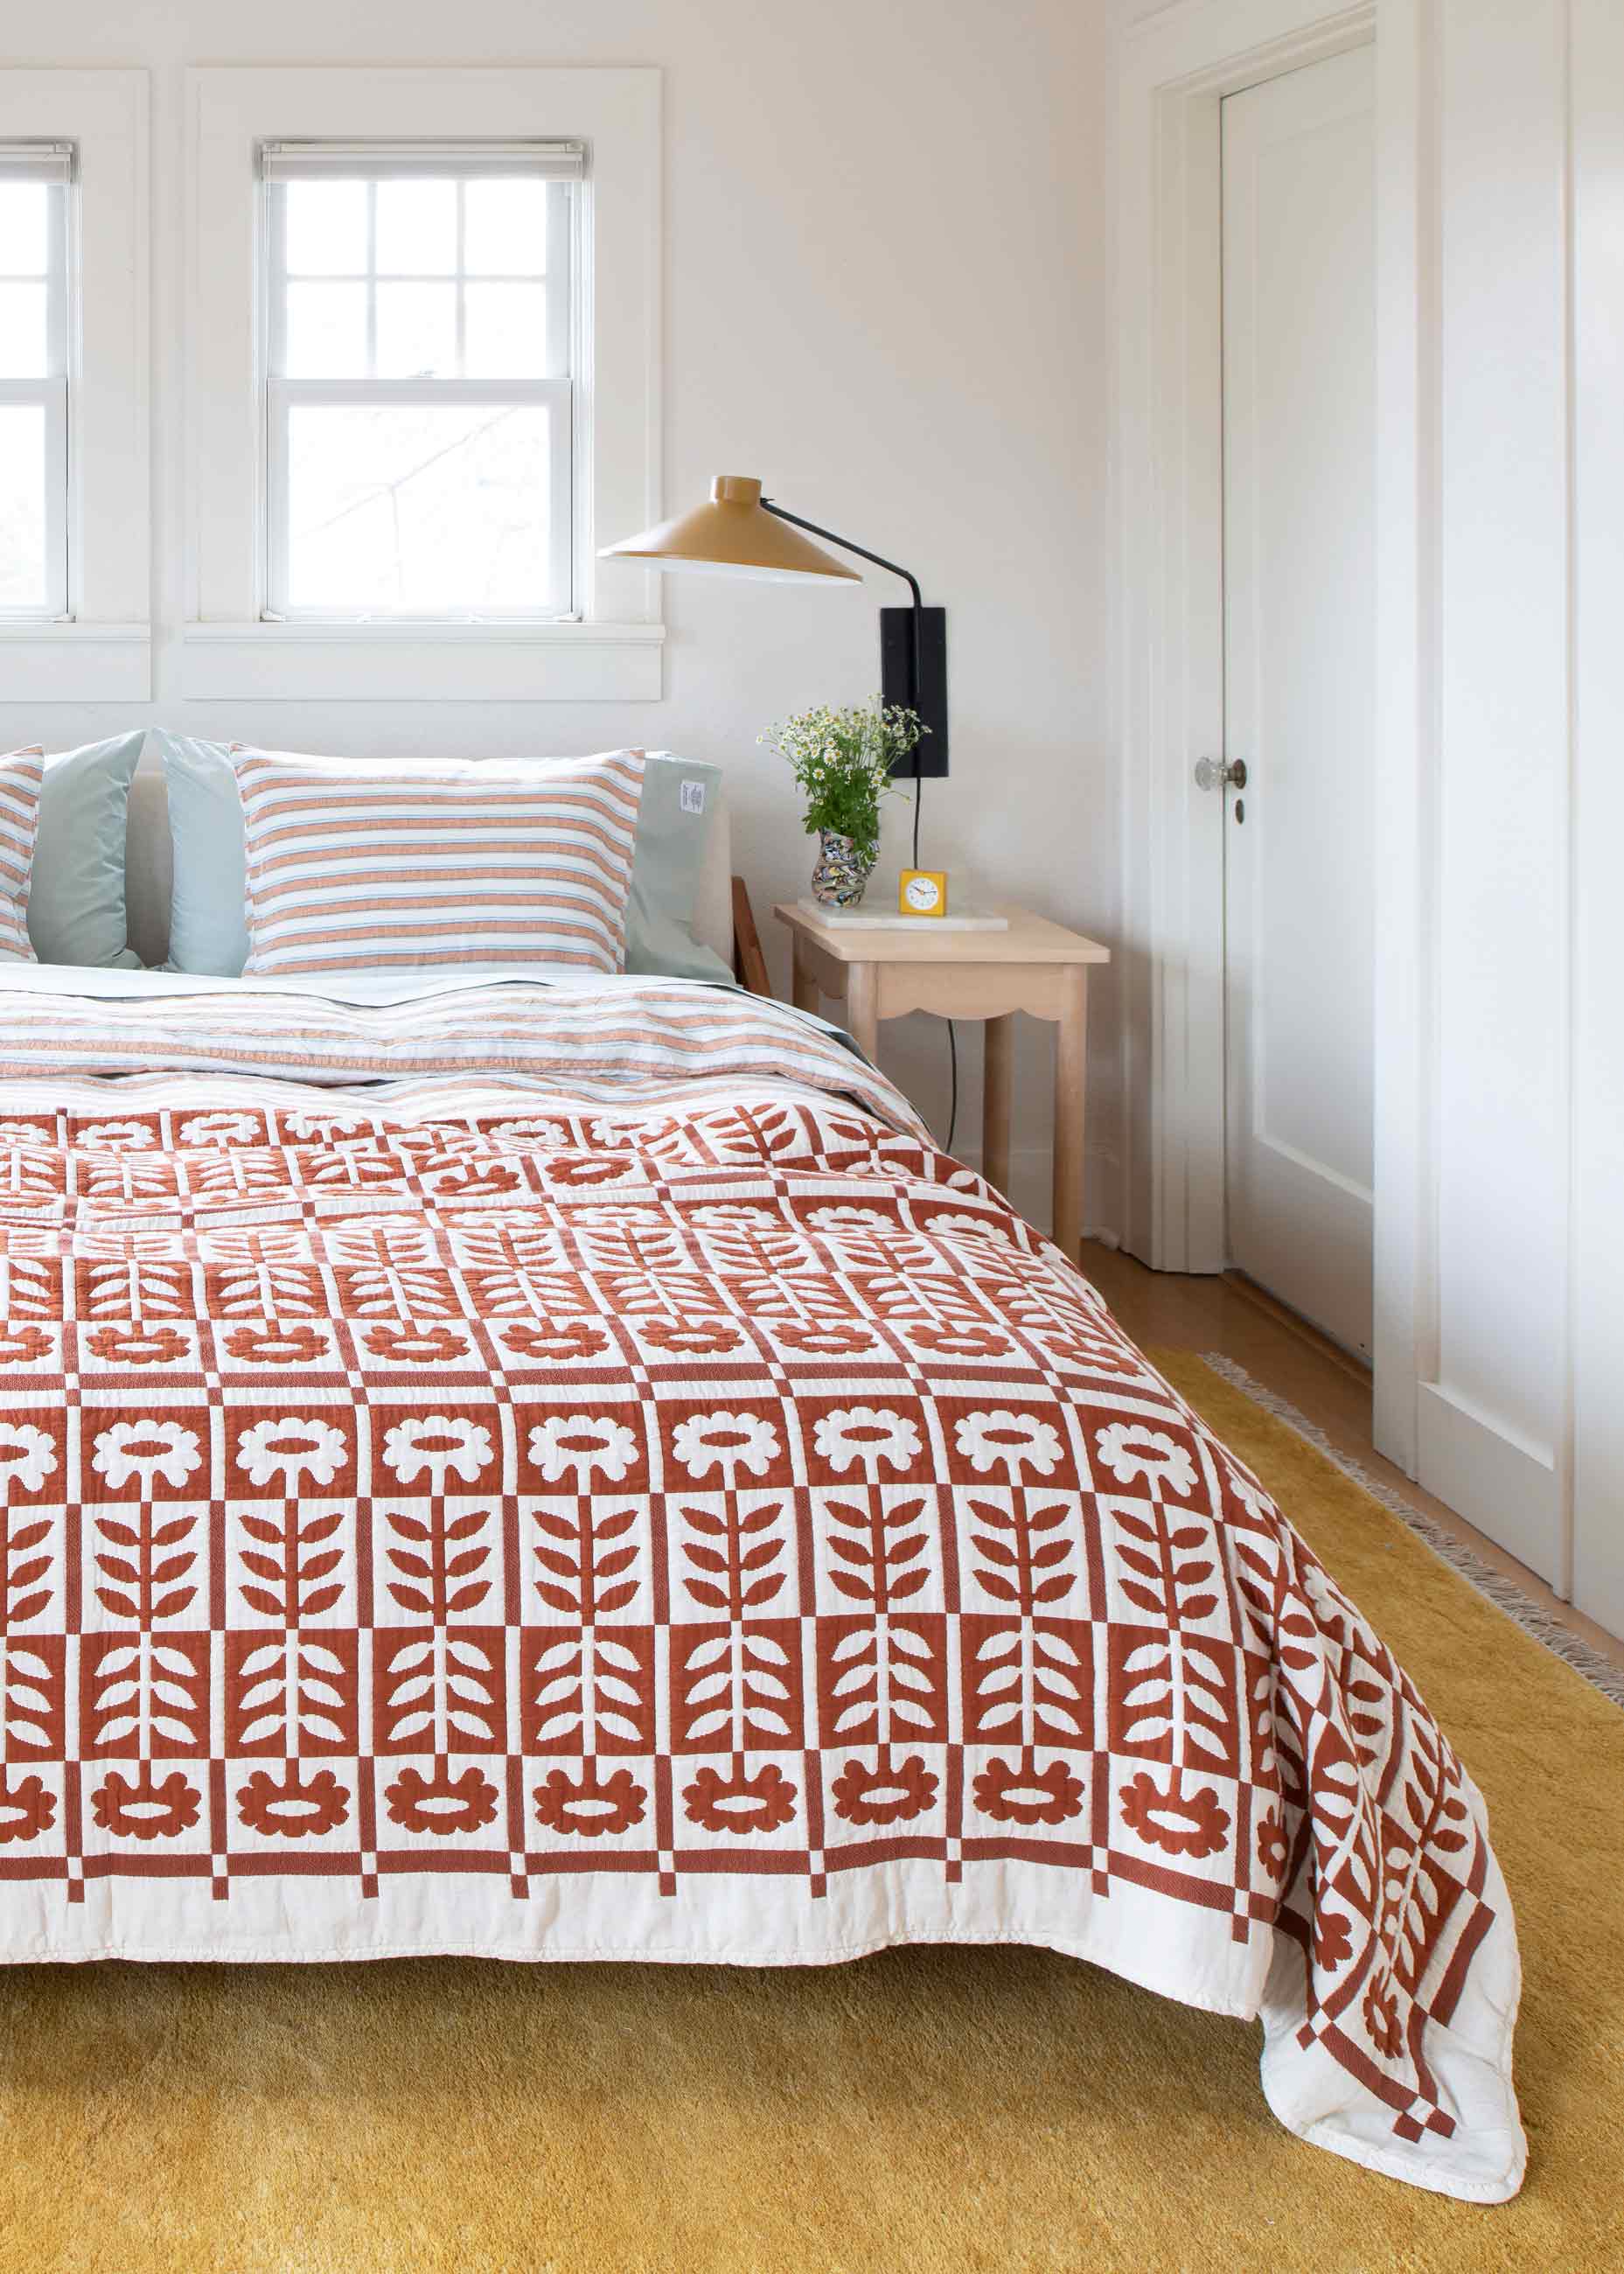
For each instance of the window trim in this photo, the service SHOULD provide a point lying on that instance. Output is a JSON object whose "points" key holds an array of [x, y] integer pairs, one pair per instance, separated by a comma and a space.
{"points": [[97, 646], [554, 390], [611, 649], [49, 394]]}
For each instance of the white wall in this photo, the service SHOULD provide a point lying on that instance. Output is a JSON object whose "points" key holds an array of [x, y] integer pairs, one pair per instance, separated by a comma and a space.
{"points": [[885, 291]]}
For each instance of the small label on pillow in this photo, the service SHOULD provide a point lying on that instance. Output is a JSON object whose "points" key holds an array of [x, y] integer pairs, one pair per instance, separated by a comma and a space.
{"points": [[692, 798]]}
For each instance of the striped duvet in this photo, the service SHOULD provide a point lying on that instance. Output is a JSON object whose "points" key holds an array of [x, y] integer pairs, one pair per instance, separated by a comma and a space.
{"points": [[356, 864], [572, 1472]]}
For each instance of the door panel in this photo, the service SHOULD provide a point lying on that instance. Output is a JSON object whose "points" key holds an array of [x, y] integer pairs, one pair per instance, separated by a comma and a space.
{"points": [[1300, 641]]}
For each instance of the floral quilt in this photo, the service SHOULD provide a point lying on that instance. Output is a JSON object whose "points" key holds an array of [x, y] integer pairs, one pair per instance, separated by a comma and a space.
{"points": [[573, 1472]]}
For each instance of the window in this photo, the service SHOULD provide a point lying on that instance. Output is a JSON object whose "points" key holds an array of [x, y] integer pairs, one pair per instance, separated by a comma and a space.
{"points": [[34, 379], [423, 343], [420, 352]]}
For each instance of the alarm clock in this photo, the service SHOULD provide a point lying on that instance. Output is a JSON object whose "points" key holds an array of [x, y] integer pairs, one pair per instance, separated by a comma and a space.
{"points": [[923, 893]]}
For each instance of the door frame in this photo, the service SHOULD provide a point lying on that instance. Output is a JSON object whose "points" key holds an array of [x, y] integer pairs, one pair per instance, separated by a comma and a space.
{"points": [[1174, 70]]}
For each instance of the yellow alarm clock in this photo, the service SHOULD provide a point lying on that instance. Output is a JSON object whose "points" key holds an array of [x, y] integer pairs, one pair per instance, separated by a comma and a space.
{"points": [[923, 893]]}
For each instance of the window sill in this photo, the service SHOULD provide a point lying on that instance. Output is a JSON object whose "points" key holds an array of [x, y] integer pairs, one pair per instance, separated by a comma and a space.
{"points": [[75, 663], [424, 663]]}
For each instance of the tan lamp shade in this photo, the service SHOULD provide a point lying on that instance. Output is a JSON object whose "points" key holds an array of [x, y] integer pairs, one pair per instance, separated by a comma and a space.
{"points": [[733, 535]]}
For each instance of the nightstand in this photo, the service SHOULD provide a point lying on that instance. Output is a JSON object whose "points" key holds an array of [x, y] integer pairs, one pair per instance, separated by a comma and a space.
{"points": [[1035, 965]]}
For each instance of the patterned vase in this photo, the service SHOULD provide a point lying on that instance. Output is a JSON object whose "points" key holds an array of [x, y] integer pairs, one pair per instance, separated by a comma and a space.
{"points": [[840, 873]]}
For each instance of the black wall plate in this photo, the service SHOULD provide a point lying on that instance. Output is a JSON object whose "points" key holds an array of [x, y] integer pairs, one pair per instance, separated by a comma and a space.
{"points": [[895, 648]]}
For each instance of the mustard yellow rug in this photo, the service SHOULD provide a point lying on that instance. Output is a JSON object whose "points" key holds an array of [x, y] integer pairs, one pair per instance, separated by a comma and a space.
{"points": [[925, 2110]]}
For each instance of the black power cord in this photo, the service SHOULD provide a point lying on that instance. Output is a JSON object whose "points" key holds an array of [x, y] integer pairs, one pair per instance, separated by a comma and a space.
{"points": [[952, 1038]]}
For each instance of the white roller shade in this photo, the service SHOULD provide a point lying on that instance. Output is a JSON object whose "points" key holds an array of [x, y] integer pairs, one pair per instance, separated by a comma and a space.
{"points": [[372, 161], [36, 161]]}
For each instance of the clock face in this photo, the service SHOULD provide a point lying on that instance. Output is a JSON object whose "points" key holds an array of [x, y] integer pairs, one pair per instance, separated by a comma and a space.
{"points": [[923, 893]]}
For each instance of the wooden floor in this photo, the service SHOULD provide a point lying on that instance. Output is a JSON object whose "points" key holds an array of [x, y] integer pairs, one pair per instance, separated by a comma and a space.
{"points": [[1205, 1313]]}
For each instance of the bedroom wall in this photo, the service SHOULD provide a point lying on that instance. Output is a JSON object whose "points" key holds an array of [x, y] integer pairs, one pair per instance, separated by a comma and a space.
{"points": [[885, 291]]}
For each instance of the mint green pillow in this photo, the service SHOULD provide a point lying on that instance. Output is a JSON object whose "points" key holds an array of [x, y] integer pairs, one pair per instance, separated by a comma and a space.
{"points": [[209, 931], [208, 922], [673, 820], [76, 890]]}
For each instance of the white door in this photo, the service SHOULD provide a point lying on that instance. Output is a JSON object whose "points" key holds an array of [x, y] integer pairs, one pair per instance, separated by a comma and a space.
{"points": [[1300, 640]]}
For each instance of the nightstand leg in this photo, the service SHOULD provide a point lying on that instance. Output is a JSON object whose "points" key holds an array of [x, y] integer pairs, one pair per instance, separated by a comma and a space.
{"points": [[1071, 1074], [802, 985], [862, 1004], [997, 1068]]}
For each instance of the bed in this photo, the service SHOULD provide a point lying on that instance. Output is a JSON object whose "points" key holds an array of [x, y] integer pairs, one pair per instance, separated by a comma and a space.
{"points": [[567, 1469]]}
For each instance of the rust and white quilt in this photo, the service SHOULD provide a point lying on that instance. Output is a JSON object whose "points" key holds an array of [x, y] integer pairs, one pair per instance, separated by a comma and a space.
{"points": [[571, 1471]]}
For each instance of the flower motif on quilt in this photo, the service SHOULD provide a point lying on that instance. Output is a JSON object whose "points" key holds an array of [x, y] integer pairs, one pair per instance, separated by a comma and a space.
{"points": [[1021, 1793], [26, 1809], [1129, 1450], [827, 1338], [592, 1803], [869, 1437], [27, 1458], [299, 1345], [118, 1136], [145, 1807], [727, 1441], [533, 1136], [145, 1450], [23, 1346], [416, 1345], [1273, 1849], [440, 1446], [891, 1683], [290, 1451], [221, 1128], [692, 1338], [1009, 1442], [294, 1805], [966, 1341], [580, 1170], [890, 1792], [1381, 2018], [543, 1342], [582, 1446], [443, 1803], [740, 1804], [1333, 1937], [1179, 1822], [139, 1346]]}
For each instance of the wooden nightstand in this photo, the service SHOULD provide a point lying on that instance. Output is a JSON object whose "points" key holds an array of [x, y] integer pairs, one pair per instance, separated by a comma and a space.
{"points": [[1036, 967]]}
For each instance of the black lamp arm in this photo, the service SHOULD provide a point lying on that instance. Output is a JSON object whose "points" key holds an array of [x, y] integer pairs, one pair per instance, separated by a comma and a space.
{"points": [[920, 649], [846, 545]]}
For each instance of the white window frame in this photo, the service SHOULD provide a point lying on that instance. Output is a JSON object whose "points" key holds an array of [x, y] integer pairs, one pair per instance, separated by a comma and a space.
{"points": [[96, 646], [609, 646], [49, 394], [554, 388]]}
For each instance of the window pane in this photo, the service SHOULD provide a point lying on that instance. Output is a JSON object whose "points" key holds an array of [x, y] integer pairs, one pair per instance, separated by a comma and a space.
{"points": [[417, 228], [506, 326], [22, 331], [326, 332], [23, 249], [416, 331], [325, 228], [22, 506], [421, 509], [504, 229]]}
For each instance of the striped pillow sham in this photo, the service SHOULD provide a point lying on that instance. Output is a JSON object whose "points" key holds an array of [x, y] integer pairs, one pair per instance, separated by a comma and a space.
{"points": [[22, 778], [383, 864]]}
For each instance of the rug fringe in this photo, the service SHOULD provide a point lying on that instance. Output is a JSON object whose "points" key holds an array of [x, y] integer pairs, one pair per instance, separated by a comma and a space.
{"points": [[1504, 1594]]}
